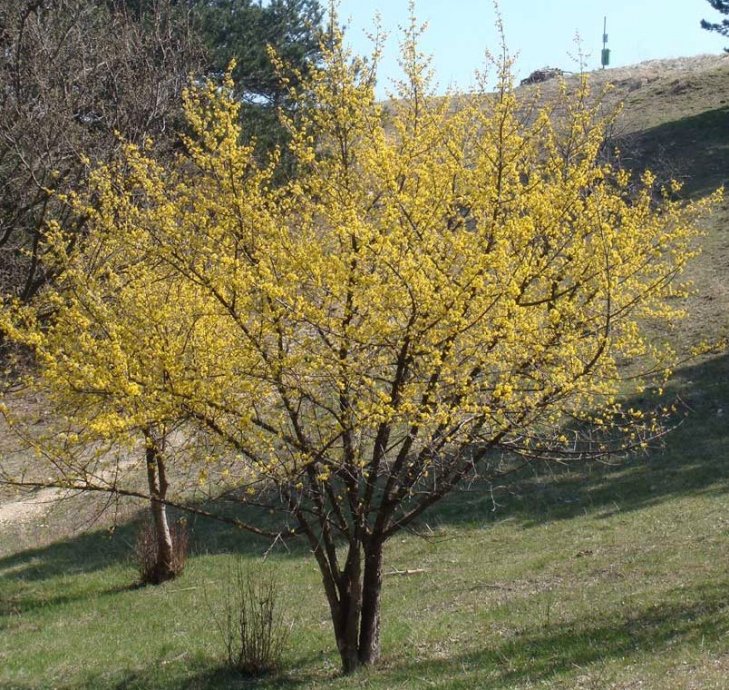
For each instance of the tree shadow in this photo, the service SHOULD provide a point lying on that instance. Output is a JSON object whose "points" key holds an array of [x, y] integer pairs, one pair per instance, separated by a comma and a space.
{"points": [[201, 677], [200, 674], [546, 652], [693, 460], [96, 550], [540, 654], [693, 150]]}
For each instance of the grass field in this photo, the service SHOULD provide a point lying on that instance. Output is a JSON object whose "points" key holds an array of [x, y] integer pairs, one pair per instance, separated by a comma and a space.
{"points": [[600, 576]]}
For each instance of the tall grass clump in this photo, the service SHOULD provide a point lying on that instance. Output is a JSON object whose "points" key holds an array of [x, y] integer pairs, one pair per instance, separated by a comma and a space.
{"points": [[250, 621]]}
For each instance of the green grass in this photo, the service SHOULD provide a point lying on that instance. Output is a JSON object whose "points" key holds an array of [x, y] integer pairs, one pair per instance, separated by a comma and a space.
{"points": [[600, 576]]}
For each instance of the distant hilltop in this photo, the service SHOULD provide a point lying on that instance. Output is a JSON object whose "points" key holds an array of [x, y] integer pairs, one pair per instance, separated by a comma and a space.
{"points": [[643, 70], [656, 91]]}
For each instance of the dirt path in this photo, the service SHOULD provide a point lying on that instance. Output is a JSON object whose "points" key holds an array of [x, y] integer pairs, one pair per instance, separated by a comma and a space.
{"points": [[30, 507]]}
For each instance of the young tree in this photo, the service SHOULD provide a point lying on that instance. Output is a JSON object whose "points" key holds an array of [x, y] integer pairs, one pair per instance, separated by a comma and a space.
{"points": [[103, 345], [721, 6], [449, 281], [115, 353], [73, 76]]}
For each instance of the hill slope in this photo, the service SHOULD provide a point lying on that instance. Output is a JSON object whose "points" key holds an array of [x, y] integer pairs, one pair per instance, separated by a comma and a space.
{"points": [[675, 121]]}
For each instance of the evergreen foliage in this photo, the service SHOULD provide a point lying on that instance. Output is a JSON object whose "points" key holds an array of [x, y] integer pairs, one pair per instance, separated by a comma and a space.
{"points": [[722, 27]]}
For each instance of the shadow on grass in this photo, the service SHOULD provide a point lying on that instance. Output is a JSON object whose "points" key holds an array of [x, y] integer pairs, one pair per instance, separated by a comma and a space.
{"points": [[543, 654], [693, 150], [204, 678], [692, 461], [197, 675], [97, 550]]}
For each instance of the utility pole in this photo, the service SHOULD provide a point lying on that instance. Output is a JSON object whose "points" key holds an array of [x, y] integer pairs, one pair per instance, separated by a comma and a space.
{"points": [[605, 56]]}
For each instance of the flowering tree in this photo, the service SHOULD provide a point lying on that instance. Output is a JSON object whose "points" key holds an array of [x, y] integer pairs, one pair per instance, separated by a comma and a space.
{"points": [[105, 345], [448, 280], [115, 350]]}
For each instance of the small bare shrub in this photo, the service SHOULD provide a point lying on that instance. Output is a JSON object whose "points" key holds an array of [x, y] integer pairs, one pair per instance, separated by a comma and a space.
{"points": [[250, 621], [151, 569]]}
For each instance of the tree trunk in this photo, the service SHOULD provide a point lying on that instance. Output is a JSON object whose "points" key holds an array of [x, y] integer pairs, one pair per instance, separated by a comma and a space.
{"points": [[345, 604], [369, 635], [355, 607], [157, 481]]}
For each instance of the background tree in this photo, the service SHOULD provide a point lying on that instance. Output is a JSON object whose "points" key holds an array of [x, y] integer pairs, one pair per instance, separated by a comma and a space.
{"points": [[101, 364], [443, 293], [73, 74], [722, 27], [245, 31]]}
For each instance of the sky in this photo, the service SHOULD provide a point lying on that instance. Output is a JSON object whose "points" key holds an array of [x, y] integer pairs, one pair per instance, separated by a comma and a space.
{"points": [[542, 32]]}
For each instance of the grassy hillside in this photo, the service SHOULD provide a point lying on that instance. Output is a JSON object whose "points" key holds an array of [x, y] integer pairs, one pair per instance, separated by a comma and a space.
{"points": [[602, 576]]}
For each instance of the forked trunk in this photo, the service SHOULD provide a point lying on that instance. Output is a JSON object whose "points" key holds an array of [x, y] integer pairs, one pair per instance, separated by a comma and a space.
{"points": [[346, 612], [356, 608]]}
